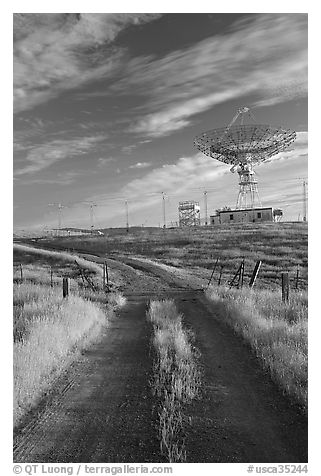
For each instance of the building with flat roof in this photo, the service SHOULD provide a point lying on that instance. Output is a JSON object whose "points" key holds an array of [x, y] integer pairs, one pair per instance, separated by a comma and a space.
{"points": [[249, 215]]}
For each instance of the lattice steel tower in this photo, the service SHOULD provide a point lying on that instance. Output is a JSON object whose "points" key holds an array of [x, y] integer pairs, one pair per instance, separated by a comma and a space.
{"points": [[189, 213], [248, 196]]}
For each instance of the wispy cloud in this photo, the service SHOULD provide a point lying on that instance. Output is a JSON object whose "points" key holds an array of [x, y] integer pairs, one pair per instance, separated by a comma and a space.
{"points": [[51, 52], [140, 165], [254, 57], [186, 174], [102, 161], [66, 178], [45, 155]]}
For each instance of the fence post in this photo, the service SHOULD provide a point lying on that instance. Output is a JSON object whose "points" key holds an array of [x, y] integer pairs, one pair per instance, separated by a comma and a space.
{"points": [[242, 272], [297, 277], [285, 287], [219, 279], [107, 277], [51, 273], [209, 282], [239, 276], [255, 273], [65, 287], [21, 272], [104, 275]]}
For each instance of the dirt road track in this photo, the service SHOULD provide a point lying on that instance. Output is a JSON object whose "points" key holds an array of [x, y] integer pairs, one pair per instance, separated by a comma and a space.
{"points": [[242, 416], [102, 409]]}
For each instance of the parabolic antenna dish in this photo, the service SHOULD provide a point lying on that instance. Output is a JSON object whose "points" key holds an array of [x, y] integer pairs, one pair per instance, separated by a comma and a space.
{"points": [[241, 144]]}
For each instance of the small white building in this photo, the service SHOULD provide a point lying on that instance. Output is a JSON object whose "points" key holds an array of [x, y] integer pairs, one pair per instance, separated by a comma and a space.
{"points": [[251, 215], [70, 232]]}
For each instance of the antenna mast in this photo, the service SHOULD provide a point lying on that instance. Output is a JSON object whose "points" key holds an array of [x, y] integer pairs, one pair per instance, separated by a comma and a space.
{"points": [[127, 216], [205, 201], [304, 201], [164, 210], [59, 210], [91, 212]]}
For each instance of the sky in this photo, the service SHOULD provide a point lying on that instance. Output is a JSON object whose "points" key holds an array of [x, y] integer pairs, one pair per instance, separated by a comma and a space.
{"points": [[106, 108]]}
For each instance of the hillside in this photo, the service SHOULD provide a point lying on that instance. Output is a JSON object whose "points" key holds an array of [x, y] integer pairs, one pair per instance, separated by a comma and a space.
{"points": [[280, 246]]}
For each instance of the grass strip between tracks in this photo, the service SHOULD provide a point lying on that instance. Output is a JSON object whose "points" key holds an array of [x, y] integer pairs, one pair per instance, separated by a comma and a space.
{"points": [[176, 377]]}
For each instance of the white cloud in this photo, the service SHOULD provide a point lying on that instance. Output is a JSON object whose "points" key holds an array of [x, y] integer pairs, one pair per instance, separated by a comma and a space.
{"points": [[65, 178], [43, 156], [102, 161], [270, 50], [140, 165], [51, 52]]}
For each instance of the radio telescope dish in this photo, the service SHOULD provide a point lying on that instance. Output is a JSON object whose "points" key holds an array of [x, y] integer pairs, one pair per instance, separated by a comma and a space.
{"points": [[244, 146], [241, 144]]}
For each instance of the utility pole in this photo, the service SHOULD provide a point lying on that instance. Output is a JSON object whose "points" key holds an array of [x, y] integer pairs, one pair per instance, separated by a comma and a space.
{"points": [[127, 216], [304, 201], [59, 209], [205, 200], [164, 210], [91, 212]]}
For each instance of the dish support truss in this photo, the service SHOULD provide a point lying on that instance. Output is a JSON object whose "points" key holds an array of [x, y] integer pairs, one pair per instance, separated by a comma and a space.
{"points": [[248, 196]]}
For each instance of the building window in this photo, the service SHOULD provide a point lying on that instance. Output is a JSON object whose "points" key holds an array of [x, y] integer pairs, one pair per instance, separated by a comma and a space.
{"points": [[259, 215], [231, 216]]}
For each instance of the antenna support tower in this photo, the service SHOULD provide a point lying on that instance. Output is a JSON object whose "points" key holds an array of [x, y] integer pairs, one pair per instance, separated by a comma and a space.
{"points": [[189, 213], [304, 201], [244, 146], [91, 213]]}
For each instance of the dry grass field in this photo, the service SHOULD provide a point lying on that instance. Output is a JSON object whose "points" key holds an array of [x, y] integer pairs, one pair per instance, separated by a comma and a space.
{"points": [[277, 331], [50, 331], [280, 246], [194, 362]]}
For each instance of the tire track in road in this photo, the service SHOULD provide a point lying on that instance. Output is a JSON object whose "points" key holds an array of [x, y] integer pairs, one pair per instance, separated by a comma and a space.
{"points": [[242, 415], [103, 414]]}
